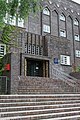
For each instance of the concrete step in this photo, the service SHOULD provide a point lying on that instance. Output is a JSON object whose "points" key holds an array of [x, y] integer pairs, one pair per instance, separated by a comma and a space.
{"points": [[39, 103], [75, 117], [16, 96], [42, 111], [40, 106], [68, 99], [46, 85], [38, 99], [23, 108], [43, 116]]}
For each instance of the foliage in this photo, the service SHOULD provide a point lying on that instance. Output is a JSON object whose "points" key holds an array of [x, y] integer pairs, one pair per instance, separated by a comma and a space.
{"points": [[20, 8], [6, 33], [17, 8], [78, 69]]}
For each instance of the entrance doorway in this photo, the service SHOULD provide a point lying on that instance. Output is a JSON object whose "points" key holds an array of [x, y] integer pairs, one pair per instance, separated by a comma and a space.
{"points": [[34, 68]]}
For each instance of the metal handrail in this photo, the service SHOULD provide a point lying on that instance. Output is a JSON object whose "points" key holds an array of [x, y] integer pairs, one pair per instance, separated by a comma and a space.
{"points": [[65, 74], [61, 75]]}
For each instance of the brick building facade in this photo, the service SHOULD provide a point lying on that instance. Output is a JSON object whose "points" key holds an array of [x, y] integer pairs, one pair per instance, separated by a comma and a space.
{"points": [[51, 38]]}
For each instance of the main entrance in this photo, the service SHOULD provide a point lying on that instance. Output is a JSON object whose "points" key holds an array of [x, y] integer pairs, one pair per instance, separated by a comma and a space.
{"points": [[35, 67]]}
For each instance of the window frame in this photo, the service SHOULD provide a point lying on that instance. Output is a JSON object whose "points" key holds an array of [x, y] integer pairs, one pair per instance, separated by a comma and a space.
{"points": [[20, 22], [62, 33], [76, 22], [46, 28], [77, 52], [4, 52], [65, 60], [46, 11], [62, 17], [77, 37]]}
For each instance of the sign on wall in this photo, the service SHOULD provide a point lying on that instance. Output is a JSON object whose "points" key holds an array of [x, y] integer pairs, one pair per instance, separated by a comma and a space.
{"points": [[55, 60]]}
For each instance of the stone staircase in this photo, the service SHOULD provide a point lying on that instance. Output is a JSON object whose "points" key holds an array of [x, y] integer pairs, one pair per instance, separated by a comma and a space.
{"points": [[60, 82], [41, 85], [40, 107]]}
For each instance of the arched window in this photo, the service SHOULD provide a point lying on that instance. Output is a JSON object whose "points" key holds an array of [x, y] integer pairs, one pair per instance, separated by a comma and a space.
{"points": [[62, 17], [76, 22], [46, 11]]}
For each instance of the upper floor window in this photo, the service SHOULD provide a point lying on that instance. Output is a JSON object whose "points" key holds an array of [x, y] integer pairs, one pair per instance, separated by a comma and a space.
{"points": [[20, 22], [77, 53], [65, 60], [77, 37], [13, 20], [37, 50], [33, 49], [46, 11], [62, 17], [76, 22], [62, 33], [46, 28], [2, 50]]}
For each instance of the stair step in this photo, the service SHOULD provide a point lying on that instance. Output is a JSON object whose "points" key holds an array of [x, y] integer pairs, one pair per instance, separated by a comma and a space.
{"points": [[44, 116], [40, 107], [29, 104], [64, 118], [20, 108], [40, 102], [39, 99], [31, 112], [40, 95], [37, 107]]}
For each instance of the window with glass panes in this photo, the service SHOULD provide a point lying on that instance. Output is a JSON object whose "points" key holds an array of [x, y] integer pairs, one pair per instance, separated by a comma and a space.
{"points": [[2, 49], [65, 60]]}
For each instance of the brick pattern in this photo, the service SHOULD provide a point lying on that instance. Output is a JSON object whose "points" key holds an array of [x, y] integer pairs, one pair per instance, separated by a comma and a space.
{"points": [[44, 85]]}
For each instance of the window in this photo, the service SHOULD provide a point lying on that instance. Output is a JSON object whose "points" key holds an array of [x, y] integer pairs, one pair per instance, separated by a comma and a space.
{"points": [[76, 22], [62, 33], [65, 60], [46, 11], [29, 48], [5, 18], [62, 17], [77, 53], [20, 22], [46, 28], [26, 48], [41, 50], [37, 50], [12, 20], [33, 49], [77, 37], [2, 50]]}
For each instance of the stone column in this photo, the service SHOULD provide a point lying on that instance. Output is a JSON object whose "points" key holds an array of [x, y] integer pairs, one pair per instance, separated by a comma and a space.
{"points": [[47, 69], [43, 68], [25, 67]]}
